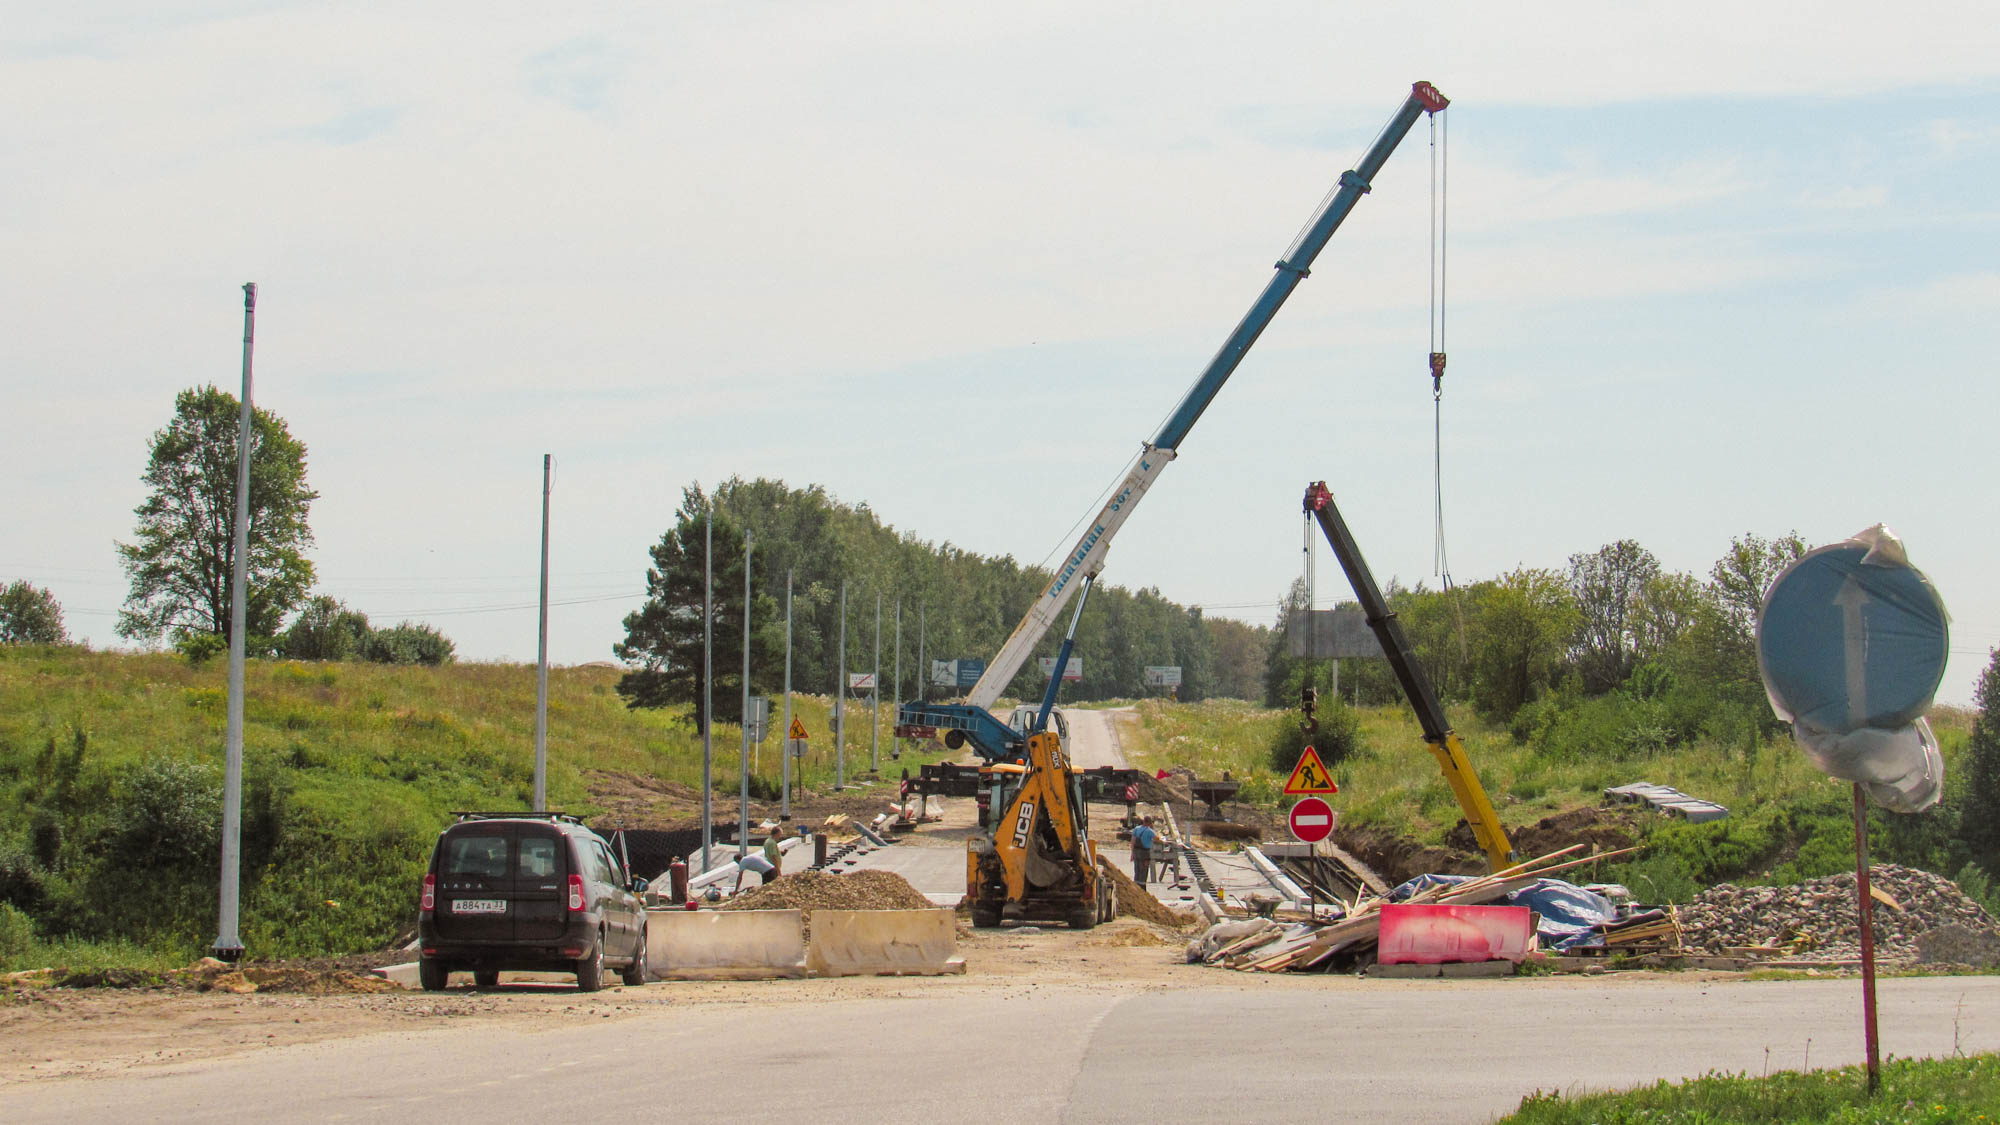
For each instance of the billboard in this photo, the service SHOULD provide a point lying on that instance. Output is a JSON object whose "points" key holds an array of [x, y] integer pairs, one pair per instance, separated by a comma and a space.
{"points": [[1336, 633], [1163, 675], [1072, 672], [957, 673]]}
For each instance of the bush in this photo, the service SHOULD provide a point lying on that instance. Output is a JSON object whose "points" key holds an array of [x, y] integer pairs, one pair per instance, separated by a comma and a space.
{"points": [[407, 643], [326, 630], [168, 814], [17, 933], [1338, 738], [200, 648]]}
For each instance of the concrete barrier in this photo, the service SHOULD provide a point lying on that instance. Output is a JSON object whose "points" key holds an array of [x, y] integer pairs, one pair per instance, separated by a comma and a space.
{"points": [[847, 943], [724, 944]]}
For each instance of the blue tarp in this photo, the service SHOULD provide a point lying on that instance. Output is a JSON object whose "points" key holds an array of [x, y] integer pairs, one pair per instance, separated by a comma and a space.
{"points": [[1568, 912]]}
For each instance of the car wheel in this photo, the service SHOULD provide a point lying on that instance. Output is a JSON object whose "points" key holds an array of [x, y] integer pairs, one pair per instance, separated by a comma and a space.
{"points": [[432, 974], [590, 970], [635, 973], [486, 978], [985, 917]]}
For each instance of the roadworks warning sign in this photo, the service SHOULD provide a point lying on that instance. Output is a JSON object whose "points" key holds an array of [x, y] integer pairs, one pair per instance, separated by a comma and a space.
{"points": [[1310, 775]]}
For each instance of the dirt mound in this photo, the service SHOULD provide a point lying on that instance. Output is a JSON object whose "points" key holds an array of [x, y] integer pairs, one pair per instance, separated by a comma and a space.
{"points": [[1399, 858], [1135, 901], [1600, 830], [1171, 789], [641, 801], [1820, 916], [211, 975], [108, 978], [1228, 830], [817, 890]]}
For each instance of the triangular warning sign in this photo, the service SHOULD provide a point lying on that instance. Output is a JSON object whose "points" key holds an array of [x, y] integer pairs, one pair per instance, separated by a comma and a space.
{"points": [[798, 729], [1310, 775]]}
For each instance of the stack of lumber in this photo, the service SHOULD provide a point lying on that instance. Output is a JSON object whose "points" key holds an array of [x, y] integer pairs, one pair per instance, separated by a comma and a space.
{"points": [[1314, 945], [1648, 931]]}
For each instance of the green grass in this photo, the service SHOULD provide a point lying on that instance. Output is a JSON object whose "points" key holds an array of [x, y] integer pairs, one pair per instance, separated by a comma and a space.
{"points": [[350, 770], [1931, 1091]]}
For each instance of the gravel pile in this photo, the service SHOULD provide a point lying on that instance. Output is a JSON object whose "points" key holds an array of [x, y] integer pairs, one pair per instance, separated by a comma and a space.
{"points": [[1819, 917], [811, 890]]}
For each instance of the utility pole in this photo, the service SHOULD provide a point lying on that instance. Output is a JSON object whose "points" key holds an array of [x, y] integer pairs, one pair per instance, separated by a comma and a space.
{"points": [[840, 701], [923, 668], [743, 795], [875, 701], [707, 684], [896, 694], [542, 659], [228, 946], [785, 744]]}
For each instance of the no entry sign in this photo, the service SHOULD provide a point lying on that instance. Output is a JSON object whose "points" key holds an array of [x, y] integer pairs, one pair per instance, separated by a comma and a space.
{"points": [[1312, 820]]}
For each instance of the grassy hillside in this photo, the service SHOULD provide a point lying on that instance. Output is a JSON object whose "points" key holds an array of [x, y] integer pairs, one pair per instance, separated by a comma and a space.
{"points": [[1788, 821], [110, 776]]}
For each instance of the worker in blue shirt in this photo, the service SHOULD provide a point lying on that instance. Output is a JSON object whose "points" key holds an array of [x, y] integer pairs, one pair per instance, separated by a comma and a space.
{"points": [[1143, 839]]}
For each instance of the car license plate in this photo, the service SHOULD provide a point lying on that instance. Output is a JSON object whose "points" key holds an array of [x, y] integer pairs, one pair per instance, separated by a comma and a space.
{"points": [[479, 906]]}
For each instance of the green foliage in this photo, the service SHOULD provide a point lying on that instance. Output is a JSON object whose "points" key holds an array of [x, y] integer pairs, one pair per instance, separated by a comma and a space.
{"points": [[1607, 587], [30, 615], [1928, 1091], [168, 813], [407, 643], [326, 629], [200, 648], [17, 934], [1981, 766], [1338, 738], [1522, 625], [184, 546]]}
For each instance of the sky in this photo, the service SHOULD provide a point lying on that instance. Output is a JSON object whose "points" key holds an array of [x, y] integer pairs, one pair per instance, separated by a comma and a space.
{"points": [[1709, 269]]}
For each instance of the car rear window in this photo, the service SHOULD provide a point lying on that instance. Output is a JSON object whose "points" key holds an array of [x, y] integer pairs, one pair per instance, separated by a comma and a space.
{"points": [[482, 856], [539, 858]]}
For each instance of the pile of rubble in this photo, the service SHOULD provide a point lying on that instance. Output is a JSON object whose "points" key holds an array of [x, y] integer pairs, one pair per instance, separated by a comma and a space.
{"points": [[810, 890], [1135, 901], [1820, 917]]}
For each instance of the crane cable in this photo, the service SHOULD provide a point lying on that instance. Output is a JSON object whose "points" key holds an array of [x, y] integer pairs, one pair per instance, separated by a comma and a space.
{"points": [[1440, 169]]}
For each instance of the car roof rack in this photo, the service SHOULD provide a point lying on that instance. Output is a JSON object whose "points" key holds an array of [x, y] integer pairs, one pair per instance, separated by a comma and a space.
{"points": [[516, 814]]}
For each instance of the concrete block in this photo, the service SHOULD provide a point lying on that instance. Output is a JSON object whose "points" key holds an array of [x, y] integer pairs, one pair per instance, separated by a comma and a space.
{"points": [[849, 943], [1401, 972], [725, 944]]}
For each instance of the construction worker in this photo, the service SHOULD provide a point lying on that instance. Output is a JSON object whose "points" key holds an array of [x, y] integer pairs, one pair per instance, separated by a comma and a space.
{"points": [[1143, 838], [776, 855]]}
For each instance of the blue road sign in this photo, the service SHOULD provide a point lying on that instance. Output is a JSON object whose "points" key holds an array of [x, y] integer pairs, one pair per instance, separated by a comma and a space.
{"points": [[1845, 644]]}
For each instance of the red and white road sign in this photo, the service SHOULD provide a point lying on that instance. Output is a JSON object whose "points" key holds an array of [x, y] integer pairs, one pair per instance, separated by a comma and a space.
{"points": [[1312, 820]]}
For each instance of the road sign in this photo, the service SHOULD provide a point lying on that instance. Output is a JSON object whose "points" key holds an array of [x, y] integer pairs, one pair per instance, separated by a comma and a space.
{"points": [[1853, 636], [861, 681], [957, 673], [796, 747], [758, 719], [1072, 671], [1311, 820], [1310, 775], [798, 730], [1163, 675]]}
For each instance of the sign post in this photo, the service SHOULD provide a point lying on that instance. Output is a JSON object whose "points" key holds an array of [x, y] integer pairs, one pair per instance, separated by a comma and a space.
{"points": [[1851, 644]]}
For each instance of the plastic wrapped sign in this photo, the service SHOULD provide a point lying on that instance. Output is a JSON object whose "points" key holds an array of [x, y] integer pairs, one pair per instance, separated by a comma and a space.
{"points": [[1852, 642]]}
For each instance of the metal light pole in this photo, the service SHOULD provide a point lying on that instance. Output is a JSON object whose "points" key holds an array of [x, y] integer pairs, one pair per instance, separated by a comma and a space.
{"points": [[840, 701], [542, 660], [743, 792], [707, 685], [875, 700], [923, 669], [228, 946], [785, 745], [896, 693]]}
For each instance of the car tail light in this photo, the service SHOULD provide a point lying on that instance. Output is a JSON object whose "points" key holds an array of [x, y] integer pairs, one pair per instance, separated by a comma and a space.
{"points": [[576, 892], [430, 899]]}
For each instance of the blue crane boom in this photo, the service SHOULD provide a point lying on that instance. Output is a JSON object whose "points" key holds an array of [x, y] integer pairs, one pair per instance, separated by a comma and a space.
{"points": [[971, 721]]}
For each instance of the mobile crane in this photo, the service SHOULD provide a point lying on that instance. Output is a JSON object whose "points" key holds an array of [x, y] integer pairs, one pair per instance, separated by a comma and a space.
{"points": [[1443, 741], [971, 721]]}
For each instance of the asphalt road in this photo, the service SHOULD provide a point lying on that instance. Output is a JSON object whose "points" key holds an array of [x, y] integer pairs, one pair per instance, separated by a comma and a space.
{"points": [[1376, 1051]]}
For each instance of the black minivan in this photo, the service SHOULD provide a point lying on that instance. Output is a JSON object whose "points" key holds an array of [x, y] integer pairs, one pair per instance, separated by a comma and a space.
{"points": [[528, 892]]}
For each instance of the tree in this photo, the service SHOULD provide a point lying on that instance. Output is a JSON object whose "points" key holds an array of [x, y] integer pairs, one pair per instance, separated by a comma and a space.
{"points": [[663, 638], [406, 643], [1741, 577], [1607, 586], [1668, 606], [29, 615], [179, 562], [326, 630], [1522, 621], [1980, 819]]}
